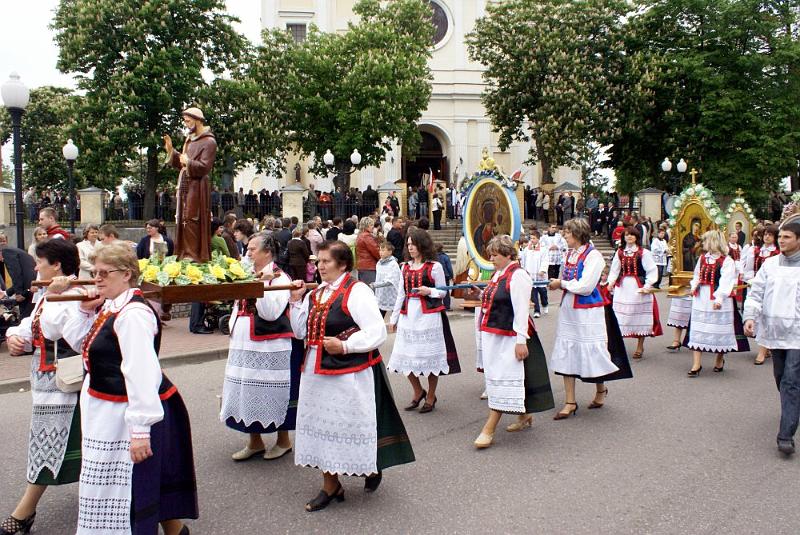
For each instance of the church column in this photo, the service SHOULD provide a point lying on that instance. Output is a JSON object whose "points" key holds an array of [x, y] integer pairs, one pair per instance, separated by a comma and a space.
{"points": [[460, 151], [321, 14]]}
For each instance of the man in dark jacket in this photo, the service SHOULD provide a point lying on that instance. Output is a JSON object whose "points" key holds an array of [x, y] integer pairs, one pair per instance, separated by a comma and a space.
{"points": [[283, 236], [395, 237], [17, 271]]}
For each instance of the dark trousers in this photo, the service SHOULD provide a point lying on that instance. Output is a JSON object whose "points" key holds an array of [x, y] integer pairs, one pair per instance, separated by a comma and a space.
{"points": [[660, 275], [197, 317], [536, 294], [553, 271], [437, 220], [786, 368]]}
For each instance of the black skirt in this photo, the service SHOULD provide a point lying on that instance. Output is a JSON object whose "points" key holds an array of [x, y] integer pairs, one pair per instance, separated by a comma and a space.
{"points": [[616, 348], [164, 486]]}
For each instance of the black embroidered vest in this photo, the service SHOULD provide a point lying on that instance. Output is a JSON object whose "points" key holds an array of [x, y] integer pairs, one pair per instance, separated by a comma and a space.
{"points": [[261, 329], [631, 266], [414, 279], [49, 350], [498, 310], [332, 318], [103, 359]]}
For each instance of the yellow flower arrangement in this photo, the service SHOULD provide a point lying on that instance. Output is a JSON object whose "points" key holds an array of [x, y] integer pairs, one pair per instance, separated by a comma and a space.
{"points": [[170, 270]]}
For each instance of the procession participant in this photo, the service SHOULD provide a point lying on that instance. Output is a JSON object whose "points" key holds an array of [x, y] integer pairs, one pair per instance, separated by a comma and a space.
{"points": [[680, 310], [54, 442], [633, 273], [660, 252], [262, 375], [581, 346], [387, 270], [758, 255], [138, 468], [536, 264], [712, 327], [193, 231], [735, 252], [509, 350], [554, 243], [424, 345], [774, 319], [48, 221], [344, 392]]}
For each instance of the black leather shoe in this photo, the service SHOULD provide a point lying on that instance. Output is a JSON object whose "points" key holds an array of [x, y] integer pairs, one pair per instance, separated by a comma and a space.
{"points": [[373, 481], [324, 499], [203, 330], [786, 446]]}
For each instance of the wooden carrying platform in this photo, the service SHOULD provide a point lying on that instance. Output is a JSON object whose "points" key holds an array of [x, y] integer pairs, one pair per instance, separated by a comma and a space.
{"points": [[169, 295]]}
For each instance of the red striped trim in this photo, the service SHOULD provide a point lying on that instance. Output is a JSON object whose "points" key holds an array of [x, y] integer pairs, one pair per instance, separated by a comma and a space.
{"points": [[107, 397]]}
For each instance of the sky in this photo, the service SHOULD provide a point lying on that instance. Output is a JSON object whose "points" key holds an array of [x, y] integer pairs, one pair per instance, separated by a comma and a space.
{"points": [[28, 48]]}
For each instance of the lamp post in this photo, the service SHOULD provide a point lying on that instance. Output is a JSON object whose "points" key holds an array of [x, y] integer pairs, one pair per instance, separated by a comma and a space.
{"points": [[681, 167], [15, 99], [330, 161], [70, 152]]}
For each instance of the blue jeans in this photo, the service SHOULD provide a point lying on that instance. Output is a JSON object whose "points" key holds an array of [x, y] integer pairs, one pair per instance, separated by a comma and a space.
{"points": [[786, 368], [536, 293]]}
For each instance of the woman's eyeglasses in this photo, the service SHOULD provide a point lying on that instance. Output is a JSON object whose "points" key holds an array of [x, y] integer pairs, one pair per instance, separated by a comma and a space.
{"points": [[102, 273]]}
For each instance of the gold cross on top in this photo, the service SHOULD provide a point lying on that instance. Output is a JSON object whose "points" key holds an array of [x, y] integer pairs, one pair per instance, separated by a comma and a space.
{"points": [[694, 172]]}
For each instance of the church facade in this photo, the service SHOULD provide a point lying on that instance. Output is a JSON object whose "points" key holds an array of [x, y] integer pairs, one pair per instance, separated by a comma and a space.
{"points": [[454, 128]]}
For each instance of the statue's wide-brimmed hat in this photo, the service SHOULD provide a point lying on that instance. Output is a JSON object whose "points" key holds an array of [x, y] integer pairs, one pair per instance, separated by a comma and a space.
{"points": [[194, 113]]}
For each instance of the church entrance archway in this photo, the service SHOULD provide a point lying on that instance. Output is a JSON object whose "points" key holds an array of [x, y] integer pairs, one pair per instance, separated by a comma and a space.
{"points": [[430, 157]]}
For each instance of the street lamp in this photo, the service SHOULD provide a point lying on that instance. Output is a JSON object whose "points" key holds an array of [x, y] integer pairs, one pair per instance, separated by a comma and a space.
{"points": [[15, 99], [681, 167], [329, 160], [70, 152]]}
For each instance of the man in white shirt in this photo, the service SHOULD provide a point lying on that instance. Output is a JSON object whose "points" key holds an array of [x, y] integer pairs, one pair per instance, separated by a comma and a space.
{"points": [[536, 263], [773, 316]]}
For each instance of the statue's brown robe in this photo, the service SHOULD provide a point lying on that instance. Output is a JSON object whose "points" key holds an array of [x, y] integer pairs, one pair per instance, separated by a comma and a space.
{"points": [[193, 231]]}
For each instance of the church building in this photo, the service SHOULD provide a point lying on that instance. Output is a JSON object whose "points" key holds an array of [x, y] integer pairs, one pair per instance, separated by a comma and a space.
{"points": [[454, 128]]}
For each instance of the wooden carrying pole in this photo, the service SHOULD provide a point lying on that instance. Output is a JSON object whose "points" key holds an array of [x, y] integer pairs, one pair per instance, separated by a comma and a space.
{"points": [[62, 298], [73, 282]]}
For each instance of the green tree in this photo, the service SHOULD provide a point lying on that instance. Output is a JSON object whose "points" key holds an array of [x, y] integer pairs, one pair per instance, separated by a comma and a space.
{"points": [[359, 89], [556, 72], [48, 122], [140, 63], [724, 94]]}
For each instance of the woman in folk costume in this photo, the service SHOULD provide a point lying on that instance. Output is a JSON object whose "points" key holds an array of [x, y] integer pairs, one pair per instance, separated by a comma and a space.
{"points": [[347, 422], [509, 350], [424, 345], [633, 273], [54, 442], [581, 346], [138, 468], [262, 376], [759, 253], [735, 252], [715, 320]]}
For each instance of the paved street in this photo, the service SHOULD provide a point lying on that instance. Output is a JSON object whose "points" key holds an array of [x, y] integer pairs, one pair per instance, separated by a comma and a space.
{"points": [[667, 454]]}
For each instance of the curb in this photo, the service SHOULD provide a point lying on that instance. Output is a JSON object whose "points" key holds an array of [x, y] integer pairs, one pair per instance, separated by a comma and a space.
{"points": [[23, 383]]}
